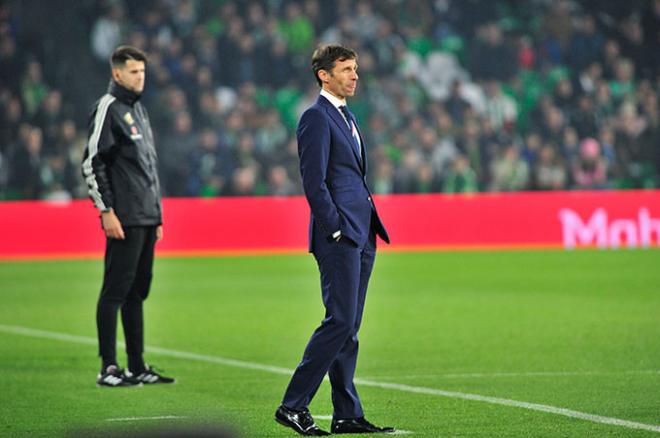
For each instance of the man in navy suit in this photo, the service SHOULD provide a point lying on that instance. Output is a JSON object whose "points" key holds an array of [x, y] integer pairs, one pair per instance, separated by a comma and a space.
{"points": [[342, 236]]}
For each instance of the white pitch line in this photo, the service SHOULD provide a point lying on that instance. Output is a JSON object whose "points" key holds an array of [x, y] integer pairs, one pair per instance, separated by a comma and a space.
{"points": [[384, 385], [520, 374], [163, 351], [507, 402], [162, 417]]}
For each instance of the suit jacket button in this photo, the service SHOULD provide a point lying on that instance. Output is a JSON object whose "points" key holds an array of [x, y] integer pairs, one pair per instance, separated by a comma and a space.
{"points": [[369, 198]]}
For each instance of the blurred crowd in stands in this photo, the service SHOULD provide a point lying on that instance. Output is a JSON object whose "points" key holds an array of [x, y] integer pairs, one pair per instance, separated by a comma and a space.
{"points": [[454, 95]]}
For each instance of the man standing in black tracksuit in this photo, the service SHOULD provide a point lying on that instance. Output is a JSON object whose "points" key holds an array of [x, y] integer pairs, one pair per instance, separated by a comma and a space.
{"points": [[119, 166]]}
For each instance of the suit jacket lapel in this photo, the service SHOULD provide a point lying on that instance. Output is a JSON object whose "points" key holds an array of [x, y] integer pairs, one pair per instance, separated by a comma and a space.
{"points": [[363, 150], [343, 126], [361, 156]]}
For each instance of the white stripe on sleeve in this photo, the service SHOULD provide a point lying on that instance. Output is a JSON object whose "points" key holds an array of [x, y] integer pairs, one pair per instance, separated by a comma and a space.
{"points": [[93, 149]]}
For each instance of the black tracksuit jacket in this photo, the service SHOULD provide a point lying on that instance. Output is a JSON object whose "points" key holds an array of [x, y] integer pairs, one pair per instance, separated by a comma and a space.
{"points": [[120, 163]]}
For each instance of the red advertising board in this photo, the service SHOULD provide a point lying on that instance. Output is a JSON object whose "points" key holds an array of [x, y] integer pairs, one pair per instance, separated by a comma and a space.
{"points": [[606, 219]]}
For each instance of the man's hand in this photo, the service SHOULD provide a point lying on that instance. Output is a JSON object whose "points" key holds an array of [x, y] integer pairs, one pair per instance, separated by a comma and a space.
{"points": [[112, 225], [159, 233]]}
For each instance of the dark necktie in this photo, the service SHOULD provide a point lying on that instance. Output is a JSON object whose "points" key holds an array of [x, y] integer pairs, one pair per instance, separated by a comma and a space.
{"points": [[352, 128]]}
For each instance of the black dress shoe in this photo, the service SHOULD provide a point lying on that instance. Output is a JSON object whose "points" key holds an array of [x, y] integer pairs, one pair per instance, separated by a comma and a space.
{"points": [[358, 425], [300, 421]]}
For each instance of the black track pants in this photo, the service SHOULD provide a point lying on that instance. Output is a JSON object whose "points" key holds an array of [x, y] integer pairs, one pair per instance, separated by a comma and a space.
{"points": [[126, 282]]}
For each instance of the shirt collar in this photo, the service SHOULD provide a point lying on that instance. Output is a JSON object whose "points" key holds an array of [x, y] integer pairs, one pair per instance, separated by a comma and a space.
{"points": [[335, 101], [123, 94]]}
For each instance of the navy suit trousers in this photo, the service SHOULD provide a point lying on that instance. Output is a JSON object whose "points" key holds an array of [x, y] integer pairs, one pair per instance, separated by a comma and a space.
{"points": [[345, 269]]}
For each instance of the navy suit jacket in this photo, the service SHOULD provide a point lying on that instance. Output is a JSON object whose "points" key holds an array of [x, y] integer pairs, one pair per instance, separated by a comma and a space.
{"points": [[334, 177]]}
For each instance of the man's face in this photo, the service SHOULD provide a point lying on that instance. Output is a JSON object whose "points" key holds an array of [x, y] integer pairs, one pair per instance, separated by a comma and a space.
{"points": [[130, 76], [342, 79]]}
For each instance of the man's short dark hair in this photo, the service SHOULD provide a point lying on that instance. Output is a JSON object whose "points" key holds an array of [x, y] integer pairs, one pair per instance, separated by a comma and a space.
{"points": [[324, 58], [123, 53]]}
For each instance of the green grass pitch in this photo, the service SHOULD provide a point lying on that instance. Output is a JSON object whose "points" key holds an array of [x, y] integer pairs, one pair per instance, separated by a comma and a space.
{"points": [[578, 330]]}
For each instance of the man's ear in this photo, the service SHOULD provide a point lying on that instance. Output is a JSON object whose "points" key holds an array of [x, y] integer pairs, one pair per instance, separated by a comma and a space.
{"points": [[324, 76], [115, 73]]}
